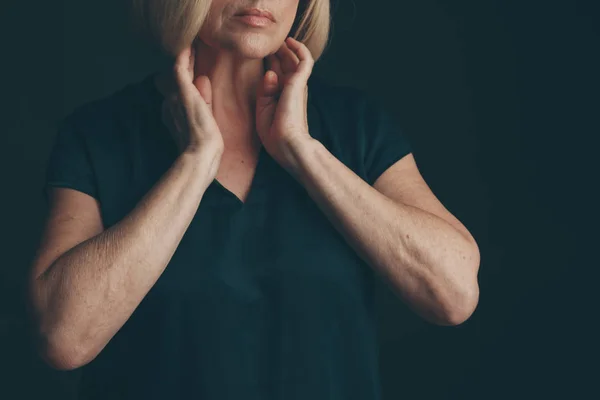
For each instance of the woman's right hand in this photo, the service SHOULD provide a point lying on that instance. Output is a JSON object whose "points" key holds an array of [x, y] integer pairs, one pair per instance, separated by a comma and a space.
{"points": [[187, 110]]}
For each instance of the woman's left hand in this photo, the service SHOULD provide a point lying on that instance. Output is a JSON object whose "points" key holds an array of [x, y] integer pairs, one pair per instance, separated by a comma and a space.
{"points": [[281, 101]]}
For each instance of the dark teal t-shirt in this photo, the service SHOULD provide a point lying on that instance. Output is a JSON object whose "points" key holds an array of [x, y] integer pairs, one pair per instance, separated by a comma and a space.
{"points": [[262, 300]]}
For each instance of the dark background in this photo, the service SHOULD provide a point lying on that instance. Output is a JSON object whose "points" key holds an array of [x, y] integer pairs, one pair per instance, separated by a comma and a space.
{"points": [[500, 101]]}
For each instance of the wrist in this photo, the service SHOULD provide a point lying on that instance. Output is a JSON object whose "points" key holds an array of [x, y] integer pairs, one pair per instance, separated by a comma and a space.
{"points": [[204, 163], [298, 153]]}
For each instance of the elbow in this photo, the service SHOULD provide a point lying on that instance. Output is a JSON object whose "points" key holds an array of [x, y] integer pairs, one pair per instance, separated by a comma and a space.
{"points": [[47, 343], [59, 349], [60, 355], [49, 339], [460, 309], [59, 361]]}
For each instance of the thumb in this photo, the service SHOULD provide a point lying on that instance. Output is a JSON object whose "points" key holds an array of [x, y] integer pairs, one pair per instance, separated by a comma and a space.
{"points": [[266, 100], [202, 83]]}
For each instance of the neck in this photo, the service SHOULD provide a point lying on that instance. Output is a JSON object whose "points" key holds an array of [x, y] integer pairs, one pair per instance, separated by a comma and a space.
{"points": [[234, 81]]}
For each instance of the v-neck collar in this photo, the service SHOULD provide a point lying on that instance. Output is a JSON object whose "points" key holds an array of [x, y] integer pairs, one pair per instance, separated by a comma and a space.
{"points": [[266, 167], [255, 185]]}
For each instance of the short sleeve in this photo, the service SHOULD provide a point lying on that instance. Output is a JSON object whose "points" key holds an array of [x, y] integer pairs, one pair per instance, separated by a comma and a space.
{"points": [[69, 162], [384, 142]]}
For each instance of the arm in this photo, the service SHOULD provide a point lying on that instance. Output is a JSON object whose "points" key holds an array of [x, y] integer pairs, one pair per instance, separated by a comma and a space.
{"points": [[83, 294], [407, 235]]}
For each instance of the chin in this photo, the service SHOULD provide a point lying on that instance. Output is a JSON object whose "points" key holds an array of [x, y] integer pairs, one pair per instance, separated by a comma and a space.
{"points": [[254, 45]]}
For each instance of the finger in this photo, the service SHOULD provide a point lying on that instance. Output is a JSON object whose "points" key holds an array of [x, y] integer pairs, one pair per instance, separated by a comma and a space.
{"points": [[266, 100], [306, 64], [183, 58], [270, 85], [202, 83], [192, 61], [182, 63], [267, 91], [288, 59], [289, 51], [183, 72], [275, 66]]}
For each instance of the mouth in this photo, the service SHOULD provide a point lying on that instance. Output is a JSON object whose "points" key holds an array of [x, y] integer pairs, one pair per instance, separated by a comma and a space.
{"points": [[256, 13]]}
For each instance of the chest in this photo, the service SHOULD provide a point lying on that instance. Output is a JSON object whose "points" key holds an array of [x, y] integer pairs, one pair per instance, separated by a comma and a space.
{"points": [[278, 247], [237, 170]]}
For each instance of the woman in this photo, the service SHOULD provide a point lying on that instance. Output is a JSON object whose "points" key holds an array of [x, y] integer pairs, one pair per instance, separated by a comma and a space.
{"points": [[215, 230]]}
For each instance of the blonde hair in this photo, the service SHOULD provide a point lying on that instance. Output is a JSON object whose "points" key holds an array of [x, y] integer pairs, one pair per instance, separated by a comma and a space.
{"points": [[174, 25]]}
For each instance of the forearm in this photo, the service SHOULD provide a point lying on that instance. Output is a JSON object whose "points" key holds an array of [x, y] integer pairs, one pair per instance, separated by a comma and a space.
{"points": [[89, 292], [427, 260]]}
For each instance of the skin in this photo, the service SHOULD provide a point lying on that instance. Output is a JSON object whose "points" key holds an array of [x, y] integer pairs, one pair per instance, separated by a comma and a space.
{"points": [[229, 72], [398, 226], [86, 281]]}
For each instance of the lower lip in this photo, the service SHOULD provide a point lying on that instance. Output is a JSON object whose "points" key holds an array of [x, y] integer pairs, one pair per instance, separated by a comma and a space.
{"points": [[254, 20]]}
